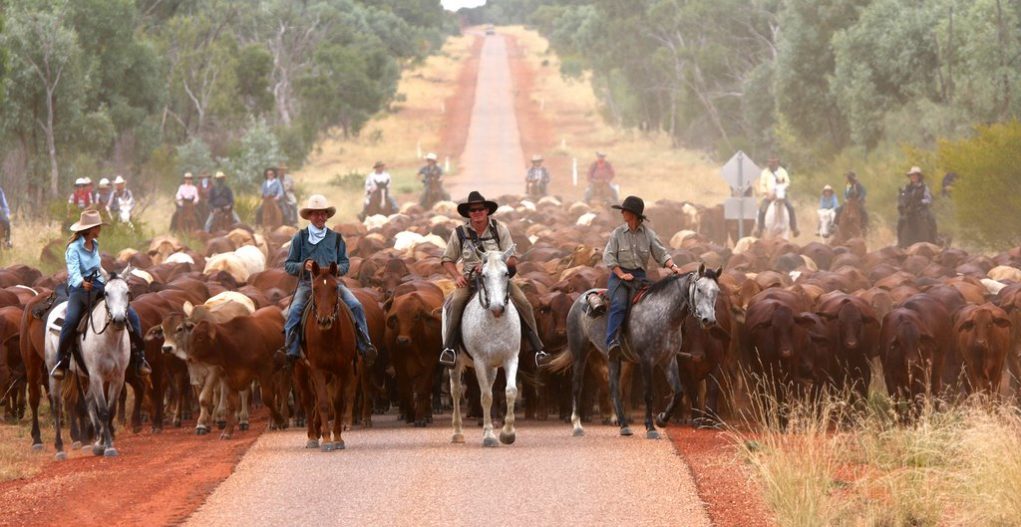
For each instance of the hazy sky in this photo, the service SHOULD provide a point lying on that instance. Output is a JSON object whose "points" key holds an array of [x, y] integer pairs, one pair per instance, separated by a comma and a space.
{"points": [[454, 5]]}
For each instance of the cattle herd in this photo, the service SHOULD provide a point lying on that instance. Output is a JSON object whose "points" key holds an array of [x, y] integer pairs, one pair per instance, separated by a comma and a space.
{"points": [[937, 320]]}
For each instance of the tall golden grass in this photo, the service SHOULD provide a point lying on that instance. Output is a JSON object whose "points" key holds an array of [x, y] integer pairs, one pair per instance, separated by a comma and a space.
{"points": [[846, 462]]}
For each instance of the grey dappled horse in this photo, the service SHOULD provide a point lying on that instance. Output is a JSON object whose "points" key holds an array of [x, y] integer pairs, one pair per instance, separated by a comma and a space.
{"points": [[105, 350], [491, 337], [652, 334]]}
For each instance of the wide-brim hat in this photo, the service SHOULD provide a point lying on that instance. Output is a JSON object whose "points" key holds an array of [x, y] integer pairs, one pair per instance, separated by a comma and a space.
{"points": [[430, 156], [536, 157], [633, 204], [87, 220], [79, 182], [317, 202], [220, 175], [827, 187], [187, 175], [104, 183], [474, 197], [378, 164], [915, 170], [600, 154]]}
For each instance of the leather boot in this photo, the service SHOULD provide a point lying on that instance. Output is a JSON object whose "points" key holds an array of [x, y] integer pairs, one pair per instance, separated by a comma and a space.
{"points": [[142, 367], [614, 349], [541, 357], [366, 349], [63, 358]]}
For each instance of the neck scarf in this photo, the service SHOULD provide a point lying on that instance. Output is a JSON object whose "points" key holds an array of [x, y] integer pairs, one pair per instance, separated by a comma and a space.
{"points": [[316, 235]]}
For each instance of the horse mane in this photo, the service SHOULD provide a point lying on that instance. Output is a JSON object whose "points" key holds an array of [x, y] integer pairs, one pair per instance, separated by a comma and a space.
{"points": [[660, 285]]}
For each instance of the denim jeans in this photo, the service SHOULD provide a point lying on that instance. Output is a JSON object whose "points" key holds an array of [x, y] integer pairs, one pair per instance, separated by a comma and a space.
{"points": [[298, 302], [620, 295], [77, 304]]}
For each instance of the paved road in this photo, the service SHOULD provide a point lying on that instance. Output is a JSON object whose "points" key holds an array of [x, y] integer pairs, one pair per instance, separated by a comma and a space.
{"points": [[492, 162], [395, 475]]}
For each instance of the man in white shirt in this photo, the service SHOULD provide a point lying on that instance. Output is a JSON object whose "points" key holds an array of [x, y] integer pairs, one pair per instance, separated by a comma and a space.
{"points": [[774, 183]]}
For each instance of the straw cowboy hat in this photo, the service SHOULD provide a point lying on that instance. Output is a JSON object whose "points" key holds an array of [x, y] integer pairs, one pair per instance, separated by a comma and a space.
{"points": [[633, 204], [89, 219], [220, 175], [79, 182], [474, 197], [378, 164], [827, 187], [600, 154], [187, 175], [915, 170], [536, 157], [119, 180], [431, 156], [104, 183], [317, 202], [86, 180]]}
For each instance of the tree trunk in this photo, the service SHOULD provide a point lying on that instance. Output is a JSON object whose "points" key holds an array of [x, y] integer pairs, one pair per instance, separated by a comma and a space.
{"points": [[51, 146]]}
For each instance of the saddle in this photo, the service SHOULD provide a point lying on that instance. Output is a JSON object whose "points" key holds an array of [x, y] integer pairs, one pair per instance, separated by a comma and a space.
{"points": [[598, 301]]}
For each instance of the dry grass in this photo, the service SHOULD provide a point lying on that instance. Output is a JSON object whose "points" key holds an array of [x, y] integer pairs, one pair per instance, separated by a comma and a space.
{"points": [[856, 464], [646, 163], [17, 460]]}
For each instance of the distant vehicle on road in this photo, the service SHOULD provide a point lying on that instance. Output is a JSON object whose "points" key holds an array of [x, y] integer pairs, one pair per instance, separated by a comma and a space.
{"points": [[490, 30]]}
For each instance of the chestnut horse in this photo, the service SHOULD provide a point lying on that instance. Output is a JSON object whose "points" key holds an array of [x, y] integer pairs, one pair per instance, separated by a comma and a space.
{"points": [[852, 222], [327, 377], [272, 217], [186, 218]]}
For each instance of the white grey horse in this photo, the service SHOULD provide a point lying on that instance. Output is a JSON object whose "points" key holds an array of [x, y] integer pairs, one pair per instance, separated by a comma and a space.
{"points": [[491, 336], [777, 221], [106, 351], [651, 336]]}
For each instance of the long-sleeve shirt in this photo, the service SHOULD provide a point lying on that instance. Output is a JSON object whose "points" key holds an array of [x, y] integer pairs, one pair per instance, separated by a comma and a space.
{"points": [[828, 202], [329, 250], [466, 252], [187, 192], [629, 249], [117, 197], [81, 262], [3, 204], [537, 174], [601, 171], [221, 196], [430, 172], [855, 190], [81, 198], [769, 180], [271, 188], [376, 180]]}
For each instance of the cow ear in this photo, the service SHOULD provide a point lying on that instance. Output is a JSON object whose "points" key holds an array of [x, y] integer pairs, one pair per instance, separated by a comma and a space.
{"points": [[333, 268], [388, 303], [155, 333], [1002, 322], [188, 308], [436, 314]]}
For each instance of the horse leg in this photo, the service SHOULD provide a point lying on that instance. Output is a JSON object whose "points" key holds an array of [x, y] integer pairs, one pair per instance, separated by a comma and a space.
{"points": [[578, 372], [34, 394], [507, 435], [121, 408], [618, 403], [713, 386], [673, 376], [456, 390], [244, 414], [98, 413], [321, 393], [208, 385], [56, 407], [115, 389], [486, 376]]}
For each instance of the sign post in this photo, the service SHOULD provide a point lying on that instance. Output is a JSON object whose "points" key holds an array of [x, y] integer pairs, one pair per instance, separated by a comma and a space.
{"points": [[739, 172]]}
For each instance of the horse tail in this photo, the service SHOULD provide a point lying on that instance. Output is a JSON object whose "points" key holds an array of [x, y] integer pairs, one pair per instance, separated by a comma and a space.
{"points": [[560, 362], [72, 388], [530, 378]]}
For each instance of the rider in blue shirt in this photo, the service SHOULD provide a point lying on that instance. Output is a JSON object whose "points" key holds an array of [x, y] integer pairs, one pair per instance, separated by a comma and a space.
{"points": [[85, 283], [271, 188], [5, 218]]}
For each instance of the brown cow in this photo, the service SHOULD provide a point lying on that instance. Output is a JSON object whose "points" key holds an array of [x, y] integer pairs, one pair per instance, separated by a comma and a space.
{"points": [[983, 340], [413, 336], [854, 334], [914, 343], [12, 369], [243, 348]]}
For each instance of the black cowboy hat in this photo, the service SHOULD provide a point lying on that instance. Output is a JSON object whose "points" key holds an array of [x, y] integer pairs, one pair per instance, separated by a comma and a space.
{"points": [[633, 204], [473, 198]]}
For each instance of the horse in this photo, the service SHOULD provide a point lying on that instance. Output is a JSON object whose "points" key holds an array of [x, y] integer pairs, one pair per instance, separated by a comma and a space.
{"points": [[651, 336], [915, 226], [379, 203], [272, 216], [327, 378], [491, 338], [223, 219], [186, 218], [105, 351], [777, 220], [852, 221], [433, 192]]}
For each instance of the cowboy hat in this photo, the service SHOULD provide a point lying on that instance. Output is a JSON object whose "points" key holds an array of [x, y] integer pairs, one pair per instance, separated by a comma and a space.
{"points": [[204, 175], [79, 182], [220, 175], [89, 219], [431, 156], [915, 170], [317, 202], [187, 175], [633, 204], [827, 187], [103, 183], [600, 154], [378, 164], [475, 197], [86, 180], [536, 157], [119, 180]]}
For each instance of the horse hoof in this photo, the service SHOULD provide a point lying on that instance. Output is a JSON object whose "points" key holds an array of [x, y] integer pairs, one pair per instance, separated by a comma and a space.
{"points": [[201, 430], [77, 445], [225, 436], [490, 442], [651, 434], [458, 438], [221, 424], [420, 424], [661, 420], [326, 447], [37, 447], [243, 426], [626, 431], [339, 445], [61, 456], [312, 443], [578, 432], [98, 450], [110, 452], [507, 439]]}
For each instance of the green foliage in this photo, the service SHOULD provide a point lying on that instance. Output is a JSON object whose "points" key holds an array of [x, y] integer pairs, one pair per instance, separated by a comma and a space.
{"points": [[260, 150], [195, 157], [349, 181], [986, 196]]}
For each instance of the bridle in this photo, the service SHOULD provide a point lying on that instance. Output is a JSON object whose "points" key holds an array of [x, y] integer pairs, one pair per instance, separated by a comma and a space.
{"points": [[483, 291], [323, 321]]}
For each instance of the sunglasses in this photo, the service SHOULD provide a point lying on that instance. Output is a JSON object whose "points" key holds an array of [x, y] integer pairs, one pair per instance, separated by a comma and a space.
{"points": [[476, 209]]}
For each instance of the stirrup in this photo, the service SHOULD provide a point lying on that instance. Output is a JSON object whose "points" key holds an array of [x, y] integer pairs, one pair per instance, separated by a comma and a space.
{"points": [[542, 358], [614, 349], [59, 370], [369, 355], [448, 357]]}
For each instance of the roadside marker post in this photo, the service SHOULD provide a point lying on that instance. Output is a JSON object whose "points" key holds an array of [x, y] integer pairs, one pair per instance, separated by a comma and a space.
{"points": [[574, 171]]}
